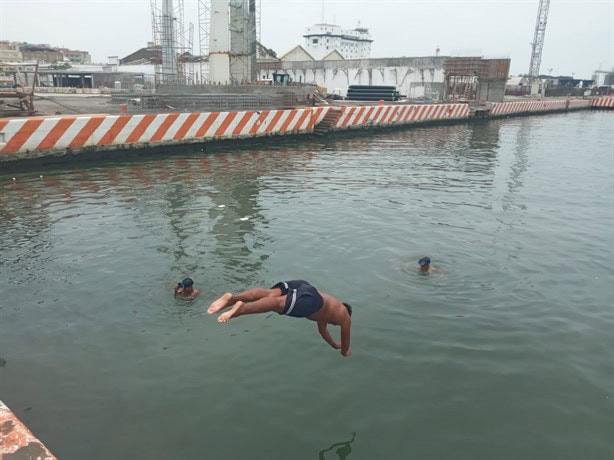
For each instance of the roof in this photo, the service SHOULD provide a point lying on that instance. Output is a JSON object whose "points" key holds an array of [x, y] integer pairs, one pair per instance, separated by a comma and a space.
{"points": [[263, 53], [515, 81], [334, 55], [299, 51], [148, 55]]}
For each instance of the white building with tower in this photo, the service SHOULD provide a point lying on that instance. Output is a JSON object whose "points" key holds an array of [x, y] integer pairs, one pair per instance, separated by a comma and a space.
{"points": [[321, 39]]}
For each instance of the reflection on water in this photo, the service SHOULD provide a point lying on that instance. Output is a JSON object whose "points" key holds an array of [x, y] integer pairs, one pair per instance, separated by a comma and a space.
{"points": [[342, 449], [520, 161], [510, 338]]}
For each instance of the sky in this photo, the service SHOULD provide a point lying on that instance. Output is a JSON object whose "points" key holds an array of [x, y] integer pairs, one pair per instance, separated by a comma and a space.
{"points": [[579, 33]]}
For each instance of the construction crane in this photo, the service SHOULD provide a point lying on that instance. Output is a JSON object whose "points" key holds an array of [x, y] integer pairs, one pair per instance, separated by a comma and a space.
{"points": [[538, 39]]}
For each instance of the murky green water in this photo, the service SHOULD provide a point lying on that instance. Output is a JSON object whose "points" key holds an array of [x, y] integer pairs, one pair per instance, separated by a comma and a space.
{"points": [[506, 353]]}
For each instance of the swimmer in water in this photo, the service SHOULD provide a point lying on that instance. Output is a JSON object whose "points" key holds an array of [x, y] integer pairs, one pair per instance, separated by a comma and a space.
{"points": [[185, 290], [424, 265], [292, 298]]}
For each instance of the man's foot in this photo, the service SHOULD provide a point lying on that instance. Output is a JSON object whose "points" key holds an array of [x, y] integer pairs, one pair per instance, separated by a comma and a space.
{"points": [[220, 303], [225, 317]]}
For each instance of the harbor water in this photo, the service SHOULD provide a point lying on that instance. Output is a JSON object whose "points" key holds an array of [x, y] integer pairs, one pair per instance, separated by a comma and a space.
{"points": [[505, 352]]}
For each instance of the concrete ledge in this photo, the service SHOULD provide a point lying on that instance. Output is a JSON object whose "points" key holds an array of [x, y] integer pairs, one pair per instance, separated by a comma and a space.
{"points": [[36, 137], [606, 102], [39, 136], [16, 441], [392, 115]]}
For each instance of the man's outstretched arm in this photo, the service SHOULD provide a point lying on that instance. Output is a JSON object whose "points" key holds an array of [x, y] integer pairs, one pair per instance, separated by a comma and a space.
{"points": [[323, 330], [346, 326]]}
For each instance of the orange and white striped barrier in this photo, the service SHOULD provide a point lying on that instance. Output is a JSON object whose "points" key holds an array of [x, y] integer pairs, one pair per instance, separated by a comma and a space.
{"points": [[579, 103], [389, 115], [16, 441], [508, 108], [70, 133], [606, 102], [39, 136]]}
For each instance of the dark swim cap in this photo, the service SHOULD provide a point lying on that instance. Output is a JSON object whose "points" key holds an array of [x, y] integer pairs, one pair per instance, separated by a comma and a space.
{"points": [[424, 262], [186, 283]]}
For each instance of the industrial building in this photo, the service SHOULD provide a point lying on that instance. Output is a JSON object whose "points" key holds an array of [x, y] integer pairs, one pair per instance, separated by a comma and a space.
{"points": [[322, 39], [431, 77], [332, 57], [603, 78], [42, 53]]}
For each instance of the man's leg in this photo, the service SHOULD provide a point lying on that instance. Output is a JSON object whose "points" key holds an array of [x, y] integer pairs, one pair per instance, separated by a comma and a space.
{"points": [[250, 295], [264, 305]]}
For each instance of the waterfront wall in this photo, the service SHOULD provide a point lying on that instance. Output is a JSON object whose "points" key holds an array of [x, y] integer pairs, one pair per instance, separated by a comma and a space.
{"points": [[39, 136], [603, 102], [394, 115], [16, 441], [27, 138], [514, 108], [579, 104]]}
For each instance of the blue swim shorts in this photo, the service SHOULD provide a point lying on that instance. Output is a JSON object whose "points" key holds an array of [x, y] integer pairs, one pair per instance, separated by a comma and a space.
{"points": [[302, 299]]}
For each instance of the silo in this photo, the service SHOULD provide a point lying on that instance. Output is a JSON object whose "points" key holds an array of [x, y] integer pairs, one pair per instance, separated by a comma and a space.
{"points": [[219, 43]]}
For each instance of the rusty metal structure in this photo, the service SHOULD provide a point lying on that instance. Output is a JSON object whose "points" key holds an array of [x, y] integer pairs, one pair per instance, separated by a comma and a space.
{"points": [[18, 101], [475, 78]]}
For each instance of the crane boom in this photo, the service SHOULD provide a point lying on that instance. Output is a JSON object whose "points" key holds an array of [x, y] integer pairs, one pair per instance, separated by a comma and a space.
{"points": [[538, 39]]}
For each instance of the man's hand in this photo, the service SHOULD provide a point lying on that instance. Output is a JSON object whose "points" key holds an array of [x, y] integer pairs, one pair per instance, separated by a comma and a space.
{"points": [[346, 353]]}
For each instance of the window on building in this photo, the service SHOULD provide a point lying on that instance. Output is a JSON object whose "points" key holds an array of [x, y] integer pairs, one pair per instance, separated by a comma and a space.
{"points": [[315, 40]]}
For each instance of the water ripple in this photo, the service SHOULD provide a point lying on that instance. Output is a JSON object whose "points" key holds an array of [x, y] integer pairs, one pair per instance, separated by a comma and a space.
{"points": [[510, 338]]}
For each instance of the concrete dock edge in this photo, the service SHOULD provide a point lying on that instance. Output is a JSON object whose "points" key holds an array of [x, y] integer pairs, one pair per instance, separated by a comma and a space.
{"points": [[16, 441], [36, 137]]}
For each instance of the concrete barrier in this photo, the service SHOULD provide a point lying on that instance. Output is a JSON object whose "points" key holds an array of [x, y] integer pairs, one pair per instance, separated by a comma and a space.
{"points": [[392, 115], [606, 102], [16, 441], [576, 104], [514, 108], [39, 136], [26, 138]]}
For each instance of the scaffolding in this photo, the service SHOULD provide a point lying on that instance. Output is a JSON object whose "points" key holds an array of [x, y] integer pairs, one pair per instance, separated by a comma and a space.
{"points": [[156, 14], [204, 23], [176, 62], [244, 31], [258, 21]]}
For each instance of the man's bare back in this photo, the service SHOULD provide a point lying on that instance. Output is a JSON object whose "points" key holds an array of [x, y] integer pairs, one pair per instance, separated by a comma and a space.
{"points": [[332, 311]]}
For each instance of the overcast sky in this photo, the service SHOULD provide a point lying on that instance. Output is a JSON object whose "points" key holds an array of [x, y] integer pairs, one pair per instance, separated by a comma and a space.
{"points": [[579, 34]]}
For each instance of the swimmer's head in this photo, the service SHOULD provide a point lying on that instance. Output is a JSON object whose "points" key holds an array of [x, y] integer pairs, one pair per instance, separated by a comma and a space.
{"points": [[187, 283], [184, 286], [349, 308], [424, 263]]}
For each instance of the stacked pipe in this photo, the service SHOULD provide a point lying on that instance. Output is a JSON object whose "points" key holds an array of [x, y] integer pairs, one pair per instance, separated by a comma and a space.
{"points": [[372, 93]]}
